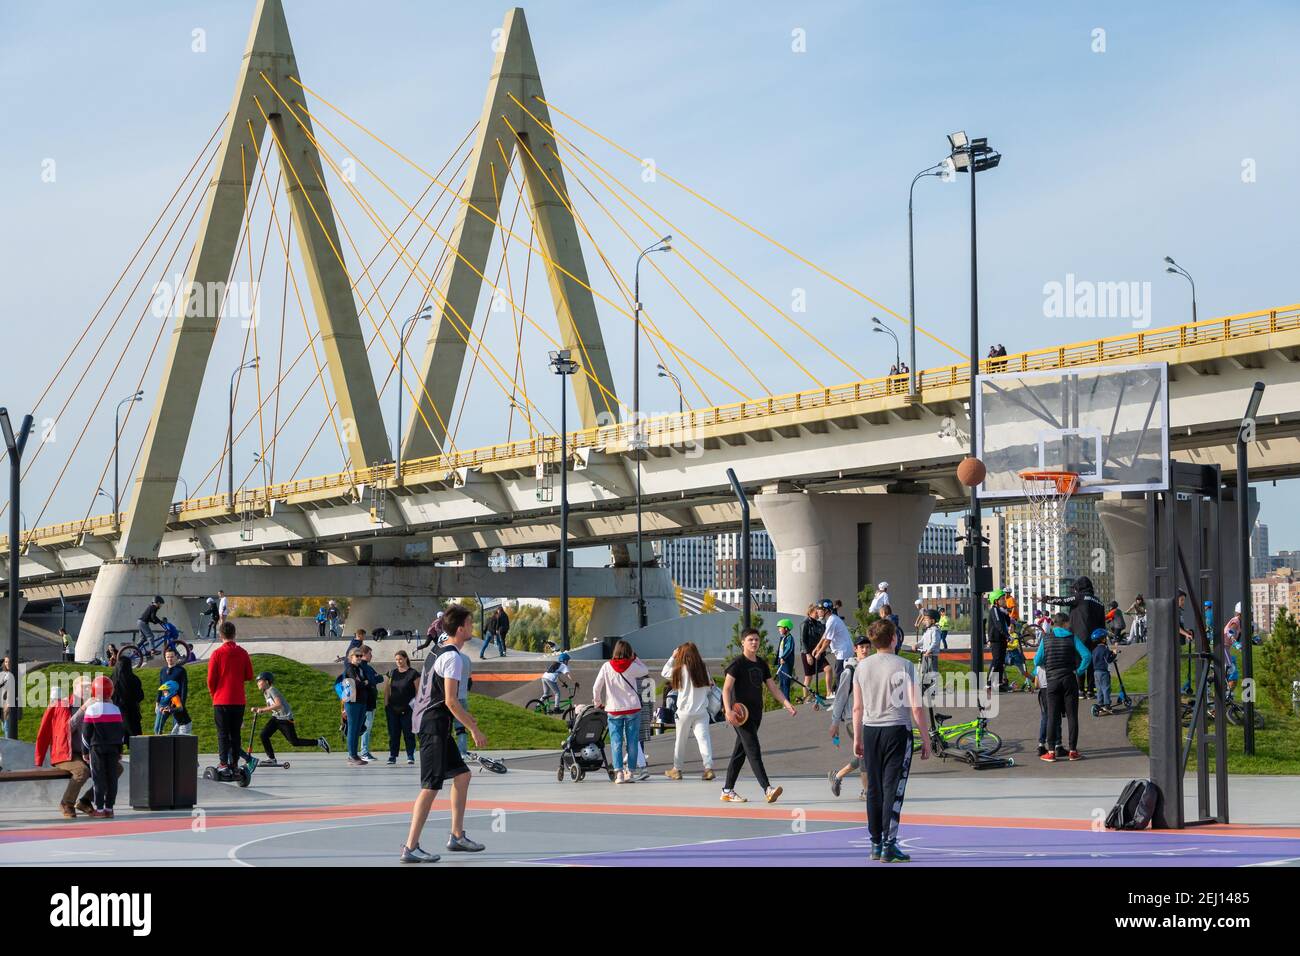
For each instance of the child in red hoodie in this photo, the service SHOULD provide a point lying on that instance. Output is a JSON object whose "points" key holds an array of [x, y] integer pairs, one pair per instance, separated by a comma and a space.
{"points": [[229, 668]]}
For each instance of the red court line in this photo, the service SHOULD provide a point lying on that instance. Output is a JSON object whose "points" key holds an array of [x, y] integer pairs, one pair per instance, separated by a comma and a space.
{"points": [[173, 824]]}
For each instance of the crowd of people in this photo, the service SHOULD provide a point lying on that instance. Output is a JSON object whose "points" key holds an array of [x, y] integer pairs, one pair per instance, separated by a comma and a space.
{"points": [[865, 680]]}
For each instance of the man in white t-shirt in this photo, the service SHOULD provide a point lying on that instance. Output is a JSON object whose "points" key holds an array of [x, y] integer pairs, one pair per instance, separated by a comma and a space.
{"points": [[437, 704], [836, 638], [881, 598]]}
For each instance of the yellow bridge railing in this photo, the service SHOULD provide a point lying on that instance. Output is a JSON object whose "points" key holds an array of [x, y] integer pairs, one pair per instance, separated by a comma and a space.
{"points": [[666, 430]]}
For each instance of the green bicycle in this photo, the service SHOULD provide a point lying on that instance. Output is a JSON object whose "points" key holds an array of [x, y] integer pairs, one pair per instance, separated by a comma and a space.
{"points": [[973, 735], [563, 709]]}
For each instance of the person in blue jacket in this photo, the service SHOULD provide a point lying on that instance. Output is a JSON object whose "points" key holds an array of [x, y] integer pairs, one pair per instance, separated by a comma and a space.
{"points": [[1064, 659], [1102, 658]]}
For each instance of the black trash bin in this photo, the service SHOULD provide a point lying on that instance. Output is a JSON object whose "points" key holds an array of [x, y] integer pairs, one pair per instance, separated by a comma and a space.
{"points": [[152, 773]]}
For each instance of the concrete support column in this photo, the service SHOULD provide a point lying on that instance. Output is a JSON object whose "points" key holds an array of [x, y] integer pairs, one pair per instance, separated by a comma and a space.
{"points": [[831, 545], [611, 616], [122, 590], [408, 613], [1125, 523]]}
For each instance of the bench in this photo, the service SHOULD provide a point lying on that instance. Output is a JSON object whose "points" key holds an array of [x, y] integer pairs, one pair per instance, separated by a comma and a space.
{"points": [[37, 773]]}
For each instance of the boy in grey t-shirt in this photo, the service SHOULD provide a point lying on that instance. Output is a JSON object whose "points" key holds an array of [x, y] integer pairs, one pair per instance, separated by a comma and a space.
{"points": [[886, 702]]}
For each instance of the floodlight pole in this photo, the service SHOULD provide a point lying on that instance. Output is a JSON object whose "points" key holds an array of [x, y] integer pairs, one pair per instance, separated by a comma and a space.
{"points": [[1246, 430]]}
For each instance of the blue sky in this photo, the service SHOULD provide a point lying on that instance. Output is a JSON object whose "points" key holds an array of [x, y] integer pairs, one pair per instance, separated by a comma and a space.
{"points": [[1111, 161]]}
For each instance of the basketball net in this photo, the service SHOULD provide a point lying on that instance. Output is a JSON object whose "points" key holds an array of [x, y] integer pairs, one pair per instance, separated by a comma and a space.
{"points": [[1048, 492]]}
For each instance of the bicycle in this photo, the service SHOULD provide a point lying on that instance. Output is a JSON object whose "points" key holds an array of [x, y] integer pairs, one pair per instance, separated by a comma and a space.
{"points": [[1032, 632], [485, 762], [972, 735], [563, 709], [140, 652]]}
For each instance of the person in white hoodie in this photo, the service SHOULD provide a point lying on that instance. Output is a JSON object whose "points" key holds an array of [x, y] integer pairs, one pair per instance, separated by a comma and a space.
{"points": [[686, 674], [617, 691]]}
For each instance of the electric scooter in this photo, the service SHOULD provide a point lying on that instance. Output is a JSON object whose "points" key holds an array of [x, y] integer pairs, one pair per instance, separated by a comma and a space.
{"points": [[240, 775]]}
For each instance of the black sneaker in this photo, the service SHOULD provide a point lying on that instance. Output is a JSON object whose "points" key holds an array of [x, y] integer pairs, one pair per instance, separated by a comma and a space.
{"points": [[392, 761], [876, 850], [835, 783], [1041, 750], [892, 854], [1062, 753]]}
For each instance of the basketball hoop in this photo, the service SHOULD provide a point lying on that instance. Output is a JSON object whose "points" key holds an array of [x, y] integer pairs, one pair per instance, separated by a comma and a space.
{"points": [[1048, 492]]}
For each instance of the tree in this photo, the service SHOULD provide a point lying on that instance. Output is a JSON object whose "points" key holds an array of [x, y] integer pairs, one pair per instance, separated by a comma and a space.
{"points": [[677, 596], [864, 617], [709, 604], [1278, 660]]}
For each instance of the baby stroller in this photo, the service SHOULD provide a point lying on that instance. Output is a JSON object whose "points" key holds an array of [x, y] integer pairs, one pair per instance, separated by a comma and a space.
{"points": [[584, 748]]}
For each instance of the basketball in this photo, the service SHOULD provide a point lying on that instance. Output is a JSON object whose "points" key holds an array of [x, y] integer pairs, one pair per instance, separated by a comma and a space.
{"points": [[971, 472], [740, 712]]}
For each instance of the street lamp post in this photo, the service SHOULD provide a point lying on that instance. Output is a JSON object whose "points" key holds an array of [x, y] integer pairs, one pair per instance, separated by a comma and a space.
{"points": [[881, 327], [117, 436], [230, 435], [935, 170], [1178, 270], [1245, 434], [660, 245], [564, 366], [15, 445], [425, 313], [677, 384], [972, 156]]}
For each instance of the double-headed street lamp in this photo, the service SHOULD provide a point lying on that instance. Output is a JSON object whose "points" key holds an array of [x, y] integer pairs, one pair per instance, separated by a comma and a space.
{"points": [[1178, 270], [938, 169], [974, 156], [425, 313], [677, 384], [230, 435], [117, 436], [15, 445], [661, 245], [564, 366], [878, 326]]}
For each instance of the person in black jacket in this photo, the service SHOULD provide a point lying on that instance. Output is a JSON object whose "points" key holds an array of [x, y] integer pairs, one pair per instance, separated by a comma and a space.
{"points": [[999, 632], [1087, 614], [128, 695], [402, 685], [811, 636]]}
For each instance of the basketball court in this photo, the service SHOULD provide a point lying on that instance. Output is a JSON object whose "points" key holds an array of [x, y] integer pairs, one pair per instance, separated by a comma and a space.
{"points": [[323, 814]]}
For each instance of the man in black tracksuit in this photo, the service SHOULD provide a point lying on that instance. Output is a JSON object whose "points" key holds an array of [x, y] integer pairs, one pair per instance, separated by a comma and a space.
{"points": [[1087, 614]]}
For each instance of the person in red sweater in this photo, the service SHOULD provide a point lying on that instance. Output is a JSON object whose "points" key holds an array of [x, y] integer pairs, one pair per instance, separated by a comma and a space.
{"points": [[54, 739], [229, 668]]}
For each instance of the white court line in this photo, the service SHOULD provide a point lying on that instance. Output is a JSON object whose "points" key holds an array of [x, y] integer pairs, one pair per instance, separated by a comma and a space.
{"points": [[559, 860], [233, 853]]}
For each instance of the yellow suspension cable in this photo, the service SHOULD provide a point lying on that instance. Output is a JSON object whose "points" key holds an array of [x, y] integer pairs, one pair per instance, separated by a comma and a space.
{"points": [[456, 316], [758, 232]]}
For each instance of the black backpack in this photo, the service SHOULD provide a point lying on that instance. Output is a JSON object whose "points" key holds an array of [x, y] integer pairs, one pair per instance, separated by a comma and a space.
{"points": [[1136, 805]]}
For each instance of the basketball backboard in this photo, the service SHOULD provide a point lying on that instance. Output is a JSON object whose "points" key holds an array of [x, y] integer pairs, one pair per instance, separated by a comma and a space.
{"points": [[1109, 424]]}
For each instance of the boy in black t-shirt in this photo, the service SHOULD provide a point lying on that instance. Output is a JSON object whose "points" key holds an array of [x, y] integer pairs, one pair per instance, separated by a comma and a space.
{"points": [[746, 677]]}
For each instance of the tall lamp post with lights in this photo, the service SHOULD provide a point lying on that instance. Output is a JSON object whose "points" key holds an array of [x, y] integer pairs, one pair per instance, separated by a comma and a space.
{"points": [[973, 156], [564, 366], [1176, 269], [938, 169], [660, 245], [423, 314], [117, 437], [230, 435]]}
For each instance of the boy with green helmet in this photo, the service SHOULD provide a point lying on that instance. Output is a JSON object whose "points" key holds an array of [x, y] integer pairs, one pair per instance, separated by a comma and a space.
{"points": [[785, 654]]}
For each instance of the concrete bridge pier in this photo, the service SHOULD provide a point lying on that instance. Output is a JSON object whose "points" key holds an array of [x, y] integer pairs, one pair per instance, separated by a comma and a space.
{"points": [[122, 591], [611, 616], [1125, 522], [831, 545], [409, 612]]}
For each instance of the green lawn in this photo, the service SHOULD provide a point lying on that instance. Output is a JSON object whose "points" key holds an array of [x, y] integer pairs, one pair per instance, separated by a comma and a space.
{"points": [[316, 710], [1277, 746]]}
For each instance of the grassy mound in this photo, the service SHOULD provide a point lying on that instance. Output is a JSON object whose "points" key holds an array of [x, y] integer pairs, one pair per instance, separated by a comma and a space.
{"points": [[316, 709], [1277, 746]]}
